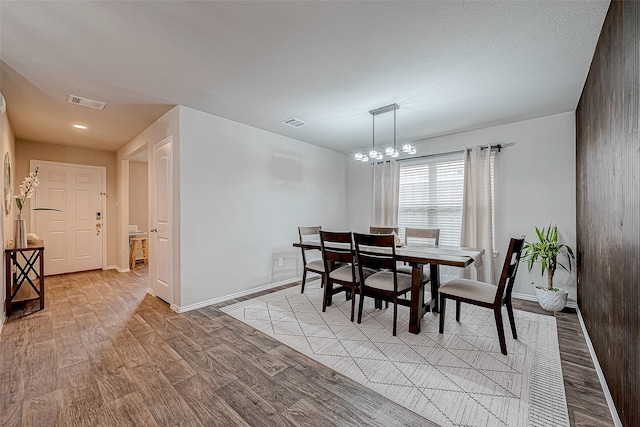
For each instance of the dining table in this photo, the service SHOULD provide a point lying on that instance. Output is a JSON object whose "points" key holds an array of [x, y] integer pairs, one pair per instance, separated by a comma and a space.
{"points": [[419, 255]]}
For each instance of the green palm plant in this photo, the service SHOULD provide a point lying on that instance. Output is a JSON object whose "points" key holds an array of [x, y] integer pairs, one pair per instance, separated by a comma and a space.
{"points": [[546, 251]]}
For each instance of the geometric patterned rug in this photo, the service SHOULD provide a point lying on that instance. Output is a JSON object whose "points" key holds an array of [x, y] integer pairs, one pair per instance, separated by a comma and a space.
{"points": [[459, 378]]}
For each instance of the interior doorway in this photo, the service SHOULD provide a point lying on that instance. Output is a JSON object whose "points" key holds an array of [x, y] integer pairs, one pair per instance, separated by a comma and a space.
{"points": [[160, 209], [139, 211]]}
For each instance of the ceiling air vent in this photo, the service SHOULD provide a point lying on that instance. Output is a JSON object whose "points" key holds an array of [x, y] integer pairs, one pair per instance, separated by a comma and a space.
{"points": [[294, 123], [85, 102]]}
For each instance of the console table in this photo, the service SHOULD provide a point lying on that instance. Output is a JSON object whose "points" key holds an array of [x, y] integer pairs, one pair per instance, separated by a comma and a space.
{"points": [[20, 263]]}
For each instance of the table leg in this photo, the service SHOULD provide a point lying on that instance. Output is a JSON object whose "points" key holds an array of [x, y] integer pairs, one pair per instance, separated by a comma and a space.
{"points": [[41, 255], [7, 281], [417, 309], [435, 285]]}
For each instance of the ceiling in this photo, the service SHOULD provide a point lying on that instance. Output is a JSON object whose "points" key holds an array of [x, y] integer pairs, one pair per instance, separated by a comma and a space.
{"points": [[451, 66]]}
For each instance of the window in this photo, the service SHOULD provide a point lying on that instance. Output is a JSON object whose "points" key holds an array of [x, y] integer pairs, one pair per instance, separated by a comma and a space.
{"points": [[431, 195]]}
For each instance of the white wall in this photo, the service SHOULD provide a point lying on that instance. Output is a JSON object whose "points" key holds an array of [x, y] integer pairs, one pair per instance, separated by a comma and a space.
{"points": [[244, 192], [535, 185]]}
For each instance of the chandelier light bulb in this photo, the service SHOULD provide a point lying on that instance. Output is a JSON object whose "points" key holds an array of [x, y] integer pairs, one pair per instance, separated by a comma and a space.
{"points": [[379, 156], [364, 159], [395, 154], [406, 148], [358, 156], [373, 154], [388, 151], [413, 150]]}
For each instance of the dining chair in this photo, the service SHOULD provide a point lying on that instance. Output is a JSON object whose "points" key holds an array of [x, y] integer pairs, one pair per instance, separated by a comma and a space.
{"points": [[486, 294], [316, 265], [378, 252], [420, 236], [339, 267]]}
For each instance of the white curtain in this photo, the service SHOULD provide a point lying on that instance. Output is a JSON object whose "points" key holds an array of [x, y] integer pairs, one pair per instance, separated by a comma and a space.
{"points": [[476, 210], [386, 185]]}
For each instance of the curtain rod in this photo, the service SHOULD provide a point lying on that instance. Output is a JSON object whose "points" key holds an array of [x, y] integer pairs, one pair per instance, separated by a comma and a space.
{"points": [[425, 156], [493, 147]]}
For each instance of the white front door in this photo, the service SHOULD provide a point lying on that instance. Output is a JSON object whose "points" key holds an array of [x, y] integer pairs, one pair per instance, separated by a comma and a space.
{"points": [[73, 238], [160, 236]]}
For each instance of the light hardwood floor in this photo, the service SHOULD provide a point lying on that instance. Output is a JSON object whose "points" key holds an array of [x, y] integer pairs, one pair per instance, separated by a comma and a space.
{"points": [[104, 352]]}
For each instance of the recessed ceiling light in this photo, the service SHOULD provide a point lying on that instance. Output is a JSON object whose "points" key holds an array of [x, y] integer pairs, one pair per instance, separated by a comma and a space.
{"points": [[79, 126]]}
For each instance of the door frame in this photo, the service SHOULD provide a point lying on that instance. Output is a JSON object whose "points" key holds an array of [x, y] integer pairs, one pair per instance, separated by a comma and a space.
{"points": [[103, 200]]}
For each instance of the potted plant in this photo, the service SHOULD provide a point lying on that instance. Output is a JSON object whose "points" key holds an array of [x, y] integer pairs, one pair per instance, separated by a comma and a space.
{"points": [[545, 251]]}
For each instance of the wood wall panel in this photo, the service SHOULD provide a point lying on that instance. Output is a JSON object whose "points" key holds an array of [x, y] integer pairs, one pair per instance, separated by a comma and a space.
{"points": [[608, 205]]}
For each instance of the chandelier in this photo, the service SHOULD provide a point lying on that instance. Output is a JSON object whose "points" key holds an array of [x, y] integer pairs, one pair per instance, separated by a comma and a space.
{"points": [[390, 151]]}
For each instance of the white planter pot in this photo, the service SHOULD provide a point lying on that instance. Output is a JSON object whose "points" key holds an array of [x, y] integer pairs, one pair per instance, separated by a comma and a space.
{"points": [[552, 300]]}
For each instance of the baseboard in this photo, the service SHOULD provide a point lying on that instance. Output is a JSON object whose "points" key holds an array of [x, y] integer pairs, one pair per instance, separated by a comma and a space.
{"points": [[115, 267], [527, 297], [235, 295], [603, 381], [2, 317]]}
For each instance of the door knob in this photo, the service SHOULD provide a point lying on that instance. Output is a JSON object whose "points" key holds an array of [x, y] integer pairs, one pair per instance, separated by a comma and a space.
{"points": [[154, 230]]}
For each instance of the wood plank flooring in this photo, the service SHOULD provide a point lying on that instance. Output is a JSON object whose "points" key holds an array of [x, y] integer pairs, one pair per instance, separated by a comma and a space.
{"points": [[105, 353]]}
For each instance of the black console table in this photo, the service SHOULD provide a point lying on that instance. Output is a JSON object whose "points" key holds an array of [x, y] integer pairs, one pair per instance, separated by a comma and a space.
{"points": [[19, 264]]}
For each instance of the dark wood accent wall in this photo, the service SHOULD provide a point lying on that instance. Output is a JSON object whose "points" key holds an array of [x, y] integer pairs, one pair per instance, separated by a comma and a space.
{"points": [[608, 205]]}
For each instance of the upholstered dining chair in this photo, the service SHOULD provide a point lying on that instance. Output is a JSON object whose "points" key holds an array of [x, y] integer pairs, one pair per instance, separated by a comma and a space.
{"points": [[316, 265], [421, 236], [378, 252], [339, 267], [486, 294]]}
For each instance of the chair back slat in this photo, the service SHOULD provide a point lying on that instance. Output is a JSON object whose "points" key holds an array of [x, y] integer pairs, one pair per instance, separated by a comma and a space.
{"points": [[510, 268], [368, 248], [422, 235], [340, 253], [304, 233]]}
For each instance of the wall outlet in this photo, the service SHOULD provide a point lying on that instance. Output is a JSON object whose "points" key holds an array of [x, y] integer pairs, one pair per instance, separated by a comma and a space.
{"points": [[280, 262]]}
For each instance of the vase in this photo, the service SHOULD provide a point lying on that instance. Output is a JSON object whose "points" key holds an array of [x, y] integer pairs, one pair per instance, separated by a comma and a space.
{"points": [[552, 300], [19, 233]]}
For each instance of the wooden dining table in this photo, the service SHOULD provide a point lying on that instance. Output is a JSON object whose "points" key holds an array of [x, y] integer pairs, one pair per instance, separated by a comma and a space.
{"points": [[418, 255]]}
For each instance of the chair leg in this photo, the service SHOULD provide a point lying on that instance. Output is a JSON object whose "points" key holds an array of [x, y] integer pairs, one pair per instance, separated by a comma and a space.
{"points": [[497, 312], [458, 306], [326, 296], [360, 304], [304, 279], [353, 301], [512, 320], [395, 313], [132, 256], [443, 305]]}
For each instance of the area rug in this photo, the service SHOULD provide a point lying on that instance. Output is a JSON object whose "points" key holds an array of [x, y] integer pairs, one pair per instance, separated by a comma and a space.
{"points": [[459, 378]]}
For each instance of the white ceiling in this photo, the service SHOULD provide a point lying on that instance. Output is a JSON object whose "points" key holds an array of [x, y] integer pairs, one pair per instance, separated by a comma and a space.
{"points": [[451, 66]]}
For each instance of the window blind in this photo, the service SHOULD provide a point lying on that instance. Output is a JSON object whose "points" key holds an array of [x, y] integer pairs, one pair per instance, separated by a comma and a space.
{"points": [[431, 195]]}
